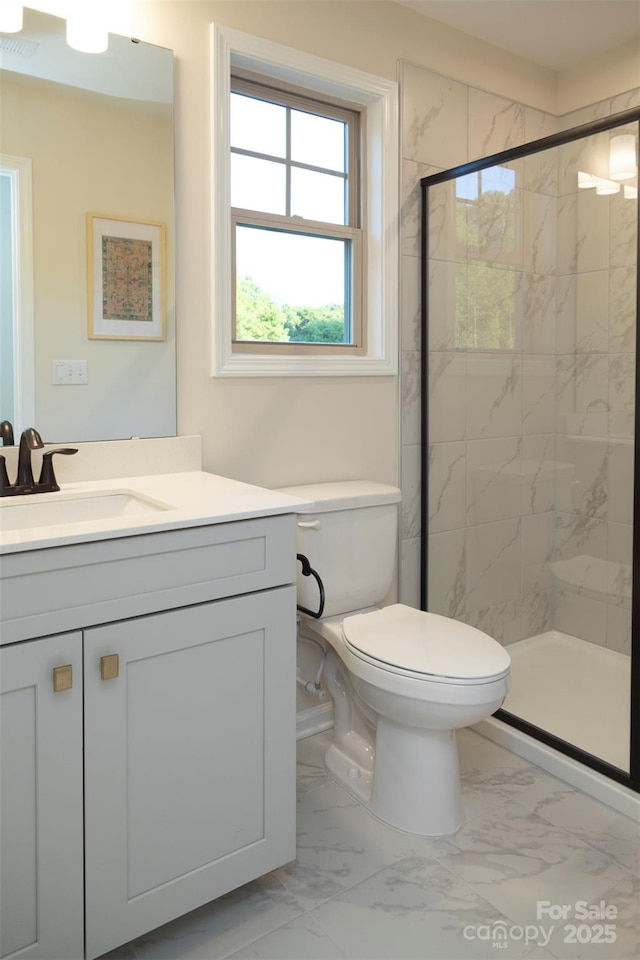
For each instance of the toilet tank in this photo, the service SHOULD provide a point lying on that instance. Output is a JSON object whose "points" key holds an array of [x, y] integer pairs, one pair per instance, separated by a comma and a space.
{"points": [[349, 534]]}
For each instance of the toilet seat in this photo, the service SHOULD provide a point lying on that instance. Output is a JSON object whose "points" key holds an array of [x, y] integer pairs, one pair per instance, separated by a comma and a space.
{"points": [[425, 646]]}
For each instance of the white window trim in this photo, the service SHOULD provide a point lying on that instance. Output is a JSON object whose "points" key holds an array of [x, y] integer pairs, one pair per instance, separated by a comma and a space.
{"points": [[232, 48]]}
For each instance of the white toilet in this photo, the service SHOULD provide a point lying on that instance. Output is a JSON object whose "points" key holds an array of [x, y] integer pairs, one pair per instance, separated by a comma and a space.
{"points": [[402, 681]]}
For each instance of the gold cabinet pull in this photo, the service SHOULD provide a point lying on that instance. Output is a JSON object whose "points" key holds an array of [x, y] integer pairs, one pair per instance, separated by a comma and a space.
{"points": [[62, 678], [109, 667]]}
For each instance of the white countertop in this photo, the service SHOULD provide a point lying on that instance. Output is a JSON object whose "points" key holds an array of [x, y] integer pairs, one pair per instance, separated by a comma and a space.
{"points": [[193, 499]]}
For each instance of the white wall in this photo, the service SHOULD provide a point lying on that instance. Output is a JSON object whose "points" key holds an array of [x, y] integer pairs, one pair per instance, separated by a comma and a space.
{"points": [[602, 78]]}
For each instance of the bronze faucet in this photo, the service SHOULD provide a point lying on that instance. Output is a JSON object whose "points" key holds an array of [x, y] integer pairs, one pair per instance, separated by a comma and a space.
{"points": [[30, 440]]}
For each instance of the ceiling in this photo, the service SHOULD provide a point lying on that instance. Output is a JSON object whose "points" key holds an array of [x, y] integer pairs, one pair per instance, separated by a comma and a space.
{"points": [[557, 34]]}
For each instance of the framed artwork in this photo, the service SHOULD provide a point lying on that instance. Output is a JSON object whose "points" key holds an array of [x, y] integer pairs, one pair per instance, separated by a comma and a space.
{"points": [[125, 278]]}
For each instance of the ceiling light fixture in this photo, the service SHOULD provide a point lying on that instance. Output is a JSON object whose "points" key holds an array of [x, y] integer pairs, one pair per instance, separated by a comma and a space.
{"points": [[11, 14], [86, 31], [622, 157]]}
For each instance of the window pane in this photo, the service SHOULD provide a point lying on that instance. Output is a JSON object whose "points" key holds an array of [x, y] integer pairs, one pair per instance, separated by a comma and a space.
{"points": [[258, 184], [317, 196], [258, 126], [318, 141], [290, 287]]}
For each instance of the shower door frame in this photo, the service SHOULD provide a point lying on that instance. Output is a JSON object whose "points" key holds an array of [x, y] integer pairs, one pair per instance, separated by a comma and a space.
{"points": [[632, 779]]}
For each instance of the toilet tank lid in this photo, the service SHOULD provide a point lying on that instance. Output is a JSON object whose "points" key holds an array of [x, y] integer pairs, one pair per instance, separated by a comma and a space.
{"points": [[342, 495]]}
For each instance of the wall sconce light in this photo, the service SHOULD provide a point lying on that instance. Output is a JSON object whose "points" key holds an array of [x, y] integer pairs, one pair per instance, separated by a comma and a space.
{"points": [[630, 193], [85, 36], [10, 16], [622, 157], [85, 27]]}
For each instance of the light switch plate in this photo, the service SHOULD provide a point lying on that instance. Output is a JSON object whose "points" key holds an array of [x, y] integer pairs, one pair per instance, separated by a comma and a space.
{"points": [[69, 372]]}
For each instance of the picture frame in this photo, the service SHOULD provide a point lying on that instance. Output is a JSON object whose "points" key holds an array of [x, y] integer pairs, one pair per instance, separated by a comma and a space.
{"points": [[126, 277]]}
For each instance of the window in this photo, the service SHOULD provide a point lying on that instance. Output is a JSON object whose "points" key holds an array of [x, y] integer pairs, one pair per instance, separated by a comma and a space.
{"points": [[295, 212], [305, 214]]}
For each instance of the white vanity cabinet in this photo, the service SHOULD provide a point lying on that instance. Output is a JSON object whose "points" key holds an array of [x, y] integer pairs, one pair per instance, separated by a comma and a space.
{"points": [[41, 799], [188, 642], [188, 789]]}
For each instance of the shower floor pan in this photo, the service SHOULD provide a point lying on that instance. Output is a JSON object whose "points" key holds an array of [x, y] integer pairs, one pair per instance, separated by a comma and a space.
{"points": [[575, 690]]}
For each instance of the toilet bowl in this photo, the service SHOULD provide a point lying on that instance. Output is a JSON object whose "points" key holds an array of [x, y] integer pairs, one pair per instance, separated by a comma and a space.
{"points": [[402, 680]]}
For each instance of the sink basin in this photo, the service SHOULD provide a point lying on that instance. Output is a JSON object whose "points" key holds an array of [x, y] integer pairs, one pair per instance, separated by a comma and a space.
{"points": [[26, 512]]}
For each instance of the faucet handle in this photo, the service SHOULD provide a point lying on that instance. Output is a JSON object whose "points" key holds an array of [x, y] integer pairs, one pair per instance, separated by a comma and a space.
{"points": [[47, 476]]}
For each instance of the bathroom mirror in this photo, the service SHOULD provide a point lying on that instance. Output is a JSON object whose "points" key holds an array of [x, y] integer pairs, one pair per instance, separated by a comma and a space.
{"points": [[86, 159]]}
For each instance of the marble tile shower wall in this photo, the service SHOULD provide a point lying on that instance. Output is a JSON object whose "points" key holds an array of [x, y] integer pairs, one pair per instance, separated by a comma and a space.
{"points": [[509, 490], [596, 299]]}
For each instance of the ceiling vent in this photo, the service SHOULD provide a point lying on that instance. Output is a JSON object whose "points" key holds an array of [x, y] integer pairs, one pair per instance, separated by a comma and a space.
{"points": [[19, 48]]}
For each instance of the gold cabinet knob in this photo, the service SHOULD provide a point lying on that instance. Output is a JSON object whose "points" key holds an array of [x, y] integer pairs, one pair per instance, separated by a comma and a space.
{"points": [[109, 667], [62, 678]]}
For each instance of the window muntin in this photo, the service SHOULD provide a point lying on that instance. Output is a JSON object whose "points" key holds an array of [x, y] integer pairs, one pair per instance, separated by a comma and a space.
{"points": [[300, 201]]}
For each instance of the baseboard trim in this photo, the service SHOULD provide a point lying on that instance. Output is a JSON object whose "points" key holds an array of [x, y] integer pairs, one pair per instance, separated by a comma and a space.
{"points": [[314, 720]]}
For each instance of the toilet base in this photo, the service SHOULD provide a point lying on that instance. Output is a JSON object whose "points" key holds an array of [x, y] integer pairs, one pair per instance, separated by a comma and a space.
{"points": [[415, 784]]}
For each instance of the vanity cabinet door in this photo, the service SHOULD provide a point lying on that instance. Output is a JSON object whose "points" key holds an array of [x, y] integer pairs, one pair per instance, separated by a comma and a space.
{"points": [[189, 759], [41, 799]]}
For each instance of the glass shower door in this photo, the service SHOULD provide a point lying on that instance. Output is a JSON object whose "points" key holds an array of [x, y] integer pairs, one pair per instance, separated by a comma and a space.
{"points": [[529, 473]]}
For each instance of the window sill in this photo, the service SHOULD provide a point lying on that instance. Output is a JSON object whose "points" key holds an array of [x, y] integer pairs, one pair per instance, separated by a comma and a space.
{"points": [[257, 365]]}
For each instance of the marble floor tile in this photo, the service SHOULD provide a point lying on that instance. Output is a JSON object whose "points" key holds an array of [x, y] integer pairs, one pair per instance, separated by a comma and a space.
{"points": [[477, 797], [511, 782], [605, 938], [478, 755], [514, 859], [481, 792], [490, 775], [311, 771], [303, 937], [414, 909], [597, 824], [340, 844]]}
